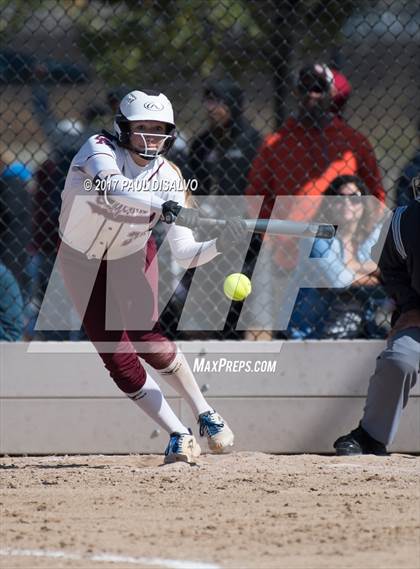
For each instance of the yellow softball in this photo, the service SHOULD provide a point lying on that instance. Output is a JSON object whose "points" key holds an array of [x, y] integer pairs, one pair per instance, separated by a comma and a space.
{"points": [[237, 286]]}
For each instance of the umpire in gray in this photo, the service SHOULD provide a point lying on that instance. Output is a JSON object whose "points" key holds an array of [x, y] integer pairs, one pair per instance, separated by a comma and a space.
{"points": [[397, 367]]}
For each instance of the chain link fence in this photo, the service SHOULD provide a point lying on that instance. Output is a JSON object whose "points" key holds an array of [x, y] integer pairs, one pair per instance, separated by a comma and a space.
{"points": [[271, 98]]}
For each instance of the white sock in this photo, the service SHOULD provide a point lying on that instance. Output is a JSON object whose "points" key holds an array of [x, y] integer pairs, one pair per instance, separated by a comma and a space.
{"points": [[151, 400], [181, 378]]}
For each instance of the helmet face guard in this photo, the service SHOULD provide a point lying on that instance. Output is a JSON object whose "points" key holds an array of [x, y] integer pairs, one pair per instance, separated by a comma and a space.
{"points": [[161, 142], [151, 151], [145, 106]]}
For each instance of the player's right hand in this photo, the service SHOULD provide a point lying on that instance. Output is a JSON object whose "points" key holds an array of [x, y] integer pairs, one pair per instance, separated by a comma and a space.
{"points": [[170, 210], [185, 216]]}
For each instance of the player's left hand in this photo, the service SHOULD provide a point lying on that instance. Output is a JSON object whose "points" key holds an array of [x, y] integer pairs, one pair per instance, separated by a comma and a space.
{"points": [[188, 217], [409, 319], [233, 233]]}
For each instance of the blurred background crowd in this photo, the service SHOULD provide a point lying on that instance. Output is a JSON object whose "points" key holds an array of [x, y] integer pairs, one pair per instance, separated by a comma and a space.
{"points": [[272, 98]]}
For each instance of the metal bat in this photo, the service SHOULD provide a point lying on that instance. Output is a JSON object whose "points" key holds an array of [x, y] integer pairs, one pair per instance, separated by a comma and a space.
{"points": [[280, 227], [270, 226]]}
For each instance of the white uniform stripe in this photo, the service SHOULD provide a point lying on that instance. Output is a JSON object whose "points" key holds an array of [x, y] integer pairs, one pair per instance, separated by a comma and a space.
{"points": [[396, 231]]}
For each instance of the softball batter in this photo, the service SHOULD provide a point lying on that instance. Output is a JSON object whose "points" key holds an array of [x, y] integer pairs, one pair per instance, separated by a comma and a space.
{"points": [[118, 187]]}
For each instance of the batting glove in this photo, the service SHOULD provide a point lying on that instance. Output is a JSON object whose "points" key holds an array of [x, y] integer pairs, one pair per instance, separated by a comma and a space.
{"points": [[233, 233], [185, 216]]}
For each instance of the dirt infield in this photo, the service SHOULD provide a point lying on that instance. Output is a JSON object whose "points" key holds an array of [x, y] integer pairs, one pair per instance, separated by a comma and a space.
{"points": [[244, 510]]}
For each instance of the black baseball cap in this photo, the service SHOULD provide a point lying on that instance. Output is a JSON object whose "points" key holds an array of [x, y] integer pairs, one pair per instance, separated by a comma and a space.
{"points": [[316, 77]]}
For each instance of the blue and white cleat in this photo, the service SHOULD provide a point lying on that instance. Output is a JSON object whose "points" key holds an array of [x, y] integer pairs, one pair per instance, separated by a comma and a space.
{"points": [[219, 435], [182, 447]]}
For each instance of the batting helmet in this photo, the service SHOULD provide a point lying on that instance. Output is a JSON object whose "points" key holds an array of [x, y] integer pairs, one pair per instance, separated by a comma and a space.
{"points": [[145, 105]]}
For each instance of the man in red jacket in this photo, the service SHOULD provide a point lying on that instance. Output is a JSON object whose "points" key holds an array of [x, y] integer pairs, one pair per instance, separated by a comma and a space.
{"points": [[309, 151], [312, 148]]}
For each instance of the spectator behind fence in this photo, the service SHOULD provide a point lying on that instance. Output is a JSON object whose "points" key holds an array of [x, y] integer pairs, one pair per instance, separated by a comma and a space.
{"points": [[219, 160], [49, 183], [15, 231], [221, 155], [302, 158], [11, 302], [410, 171], [346, 312], [51, 126], [11, 307], [64, 137]]}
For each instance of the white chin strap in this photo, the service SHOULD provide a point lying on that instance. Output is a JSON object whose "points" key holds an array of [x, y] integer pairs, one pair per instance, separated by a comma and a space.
{"points": [[149, 153]]}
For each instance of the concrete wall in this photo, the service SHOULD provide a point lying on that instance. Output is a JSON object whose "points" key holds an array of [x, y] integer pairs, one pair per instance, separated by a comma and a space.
{"points": [[57, 398]]}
